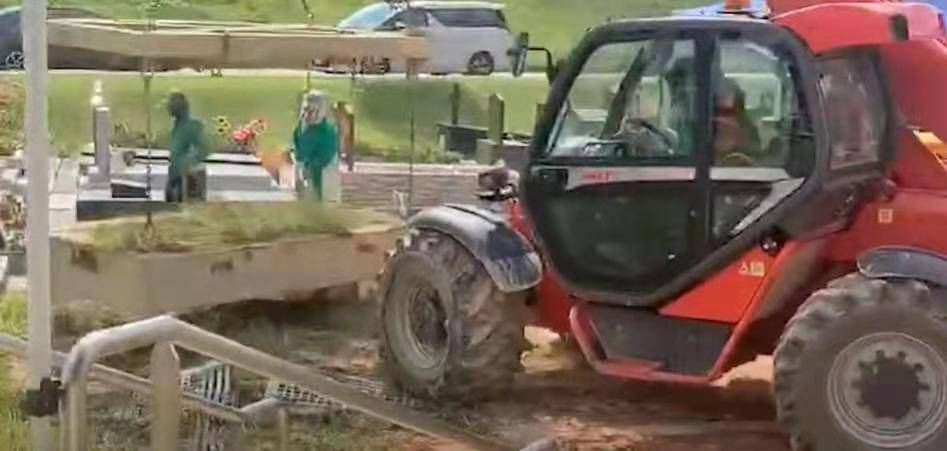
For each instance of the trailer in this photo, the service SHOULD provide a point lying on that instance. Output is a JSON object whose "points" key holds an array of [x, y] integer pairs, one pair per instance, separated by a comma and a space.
{"points": [[137, 284], [172, 44]]}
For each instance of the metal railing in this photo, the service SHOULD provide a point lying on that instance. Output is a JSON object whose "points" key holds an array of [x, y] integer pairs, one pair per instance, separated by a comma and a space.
{"points": [[130, 382], [164, 334]]}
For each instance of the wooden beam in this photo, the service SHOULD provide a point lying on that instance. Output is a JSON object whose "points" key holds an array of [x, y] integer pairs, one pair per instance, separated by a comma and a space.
{"points": [[234, 45]]}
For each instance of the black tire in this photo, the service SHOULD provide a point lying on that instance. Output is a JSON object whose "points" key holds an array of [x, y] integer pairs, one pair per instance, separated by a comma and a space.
{"points": [[481, 63], [472, 340], [853, 362], [14, 61]]}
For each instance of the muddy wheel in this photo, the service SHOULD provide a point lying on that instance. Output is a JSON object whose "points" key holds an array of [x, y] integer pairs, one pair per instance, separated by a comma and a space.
{"points": [[447, 330], [863, 366]]}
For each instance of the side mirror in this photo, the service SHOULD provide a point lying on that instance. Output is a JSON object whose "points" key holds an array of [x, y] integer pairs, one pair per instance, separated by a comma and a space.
{"points": [[519, 53], [521, 50], [497, 184]]}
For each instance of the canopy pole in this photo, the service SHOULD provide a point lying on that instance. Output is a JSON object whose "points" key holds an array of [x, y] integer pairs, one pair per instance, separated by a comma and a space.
{"points": [[412, 75], [37, 206]]}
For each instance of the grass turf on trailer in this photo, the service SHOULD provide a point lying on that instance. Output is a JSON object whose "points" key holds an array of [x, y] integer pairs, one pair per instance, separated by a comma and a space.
{"points": [[221, 225]]}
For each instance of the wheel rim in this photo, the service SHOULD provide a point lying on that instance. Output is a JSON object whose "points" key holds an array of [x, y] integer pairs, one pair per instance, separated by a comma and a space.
{"points": [[14, 60], [888, 390], [422, 325], [480, 64]]}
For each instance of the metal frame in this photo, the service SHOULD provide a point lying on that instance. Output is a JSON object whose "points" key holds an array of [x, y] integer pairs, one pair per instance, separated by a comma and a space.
{"points": [[163, 333], [37, 203]]}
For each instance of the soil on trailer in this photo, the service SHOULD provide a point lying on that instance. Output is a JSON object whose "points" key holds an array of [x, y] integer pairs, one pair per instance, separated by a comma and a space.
{"points": [[558, 396]]}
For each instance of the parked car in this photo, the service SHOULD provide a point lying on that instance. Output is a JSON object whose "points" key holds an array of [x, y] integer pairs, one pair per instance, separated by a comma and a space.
{"points": [[11, 45], [464, 37]]}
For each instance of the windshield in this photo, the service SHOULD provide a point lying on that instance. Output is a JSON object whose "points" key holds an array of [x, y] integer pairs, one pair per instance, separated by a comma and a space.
{"points": [[632, 99], [369, 17]]}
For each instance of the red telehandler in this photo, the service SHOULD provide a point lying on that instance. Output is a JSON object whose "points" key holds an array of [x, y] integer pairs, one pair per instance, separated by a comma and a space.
{"points": [[701, 191]]}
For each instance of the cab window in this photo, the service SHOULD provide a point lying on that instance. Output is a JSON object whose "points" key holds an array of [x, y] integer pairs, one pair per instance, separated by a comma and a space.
{"points": [[633, 101], [854, 109]]}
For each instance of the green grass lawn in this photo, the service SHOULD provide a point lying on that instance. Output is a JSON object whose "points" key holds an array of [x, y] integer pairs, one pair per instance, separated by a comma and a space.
{"points": [[381, 105], [554, 23], [14, 430]]}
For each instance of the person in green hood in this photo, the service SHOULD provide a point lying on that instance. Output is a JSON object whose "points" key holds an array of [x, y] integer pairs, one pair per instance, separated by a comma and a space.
{"points": [[315, 139], [186, 174]]}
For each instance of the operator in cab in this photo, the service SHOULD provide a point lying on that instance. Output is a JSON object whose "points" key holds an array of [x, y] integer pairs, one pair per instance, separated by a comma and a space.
{"points": [[187, 175], [735, 136]]}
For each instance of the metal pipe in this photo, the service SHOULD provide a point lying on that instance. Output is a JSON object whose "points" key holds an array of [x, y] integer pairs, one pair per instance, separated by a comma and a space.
{"points": [[166, 328], [166, 398], [282, 426], [37, 203], [130, 382], [76, 409], [115, 340]]}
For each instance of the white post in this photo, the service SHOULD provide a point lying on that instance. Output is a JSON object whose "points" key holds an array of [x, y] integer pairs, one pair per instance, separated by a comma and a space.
{"points": [[37, 205], [166, 397]]}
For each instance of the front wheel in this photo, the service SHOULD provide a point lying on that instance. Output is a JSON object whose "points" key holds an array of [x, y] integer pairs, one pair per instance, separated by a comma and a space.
{"points": [[447, 330], [863, 367]]}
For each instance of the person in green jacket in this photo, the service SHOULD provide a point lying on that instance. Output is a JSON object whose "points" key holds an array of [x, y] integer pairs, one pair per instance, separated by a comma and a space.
{"points": [[186, 174], [315, 139]]}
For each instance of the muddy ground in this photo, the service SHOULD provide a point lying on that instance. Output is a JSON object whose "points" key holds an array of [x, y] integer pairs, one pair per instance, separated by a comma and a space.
{"points": [[557, 397]]}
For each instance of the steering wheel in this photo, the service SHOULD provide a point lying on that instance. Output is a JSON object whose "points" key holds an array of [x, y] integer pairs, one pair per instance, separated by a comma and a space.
{"points": [[737, 159], [638, 123]]}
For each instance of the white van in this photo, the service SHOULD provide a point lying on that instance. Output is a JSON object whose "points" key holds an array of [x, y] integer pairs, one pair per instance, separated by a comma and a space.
{"points": [[464, 37]]}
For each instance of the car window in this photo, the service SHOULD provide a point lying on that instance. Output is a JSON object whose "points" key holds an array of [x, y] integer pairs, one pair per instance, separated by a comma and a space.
{"points": [[8, 21], [413, 17], [368, 17], [470, 17]]}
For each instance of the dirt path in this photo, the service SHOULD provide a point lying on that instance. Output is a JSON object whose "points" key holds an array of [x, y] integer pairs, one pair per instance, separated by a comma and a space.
{"points": [[556, 397]]}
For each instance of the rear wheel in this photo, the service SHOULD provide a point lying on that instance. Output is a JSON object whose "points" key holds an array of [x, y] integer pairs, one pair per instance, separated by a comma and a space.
{"points": [[863, 366], [481, 63], [14, 60], [447, 330]]}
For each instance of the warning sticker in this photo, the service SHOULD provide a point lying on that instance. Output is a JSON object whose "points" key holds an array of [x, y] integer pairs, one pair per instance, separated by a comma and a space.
{"points": [[885, 215]]}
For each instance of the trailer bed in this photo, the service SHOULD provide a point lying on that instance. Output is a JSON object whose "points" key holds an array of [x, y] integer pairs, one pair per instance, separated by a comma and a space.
{"points": [[141, 284]]}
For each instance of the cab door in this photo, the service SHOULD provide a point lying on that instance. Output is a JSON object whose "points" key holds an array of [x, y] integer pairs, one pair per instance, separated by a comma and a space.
{"points": [[673, 147]]}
